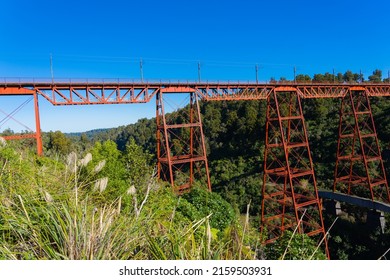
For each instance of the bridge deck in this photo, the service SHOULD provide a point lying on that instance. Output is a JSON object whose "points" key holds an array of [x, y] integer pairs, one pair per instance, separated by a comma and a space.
{"points": [[76, 92], [355, 200]]}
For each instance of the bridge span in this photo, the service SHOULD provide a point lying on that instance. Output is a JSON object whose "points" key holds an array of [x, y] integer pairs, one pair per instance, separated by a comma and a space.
{"points": [[123, 92]]}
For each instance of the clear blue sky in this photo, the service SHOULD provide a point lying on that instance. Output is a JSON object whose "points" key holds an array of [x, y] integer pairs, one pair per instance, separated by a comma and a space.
{"points": [[106, 39]]}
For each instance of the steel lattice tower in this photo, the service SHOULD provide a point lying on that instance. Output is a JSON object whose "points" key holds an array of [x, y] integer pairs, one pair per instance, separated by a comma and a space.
{"points": [[359, 165], [290, 197], [181, 150]]}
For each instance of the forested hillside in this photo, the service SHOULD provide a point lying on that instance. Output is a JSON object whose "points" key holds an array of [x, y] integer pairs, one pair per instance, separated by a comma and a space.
{"points": [[235, 133]]}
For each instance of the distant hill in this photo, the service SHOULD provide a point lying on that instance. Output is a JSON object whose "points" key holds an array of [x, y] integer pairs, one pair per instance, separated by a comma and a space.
{"points": [[89, 133]]}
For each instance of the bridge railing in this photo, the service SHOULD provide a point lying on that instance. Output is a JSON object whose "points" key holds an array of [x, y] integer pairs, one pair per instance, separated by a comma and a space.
{"points": [[4, 81]]}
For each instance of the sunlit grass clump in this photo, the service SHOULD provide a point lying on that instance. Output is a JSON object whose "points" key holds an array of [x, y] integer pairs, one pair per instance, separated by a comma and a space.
{"points": [[66, 208]]}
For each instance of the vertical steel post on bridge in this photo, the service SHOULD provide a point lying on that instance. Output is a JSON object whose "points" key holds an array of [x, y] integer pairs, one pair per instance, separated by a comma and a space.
{"points": [[359, 165], [181, 149], [38, 135], [289, 195]]}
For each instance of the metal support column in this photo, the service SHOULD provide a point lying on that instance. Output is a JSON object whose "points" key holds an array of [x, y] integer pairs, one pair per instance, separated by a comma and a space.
{"points": [[38, 135], [181, 150], [289, 195], [359, 166]]}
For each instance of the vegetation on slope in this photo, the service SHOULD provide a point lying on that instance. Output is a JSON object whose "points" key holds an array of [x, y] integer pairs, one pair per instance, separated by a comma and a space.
{"points": [[75, 208], [109, 205]]}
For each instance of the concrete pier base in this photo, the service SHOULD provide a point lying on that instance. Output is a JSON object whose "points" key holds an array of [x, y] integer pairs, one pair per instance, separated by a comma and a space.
{"points": [[332, 207], [376, 219]]}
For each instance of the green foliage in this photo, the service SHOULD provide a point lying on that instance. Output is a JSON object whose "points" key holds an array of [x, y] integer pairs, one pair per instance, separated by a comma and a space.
{"points": [[110, 157], [59, 143], [143, 132], [376, 76], [294, 247], [301, 78], [52, 210], [188, 230], [350, 77], [137, 163], [347, 77], [238, 181], [208, 204]]}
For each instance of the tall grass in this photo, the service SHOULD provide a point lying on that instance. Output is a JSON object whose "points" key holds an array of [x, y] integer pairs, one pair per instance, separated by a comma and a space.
{"points": [[53, 209]]}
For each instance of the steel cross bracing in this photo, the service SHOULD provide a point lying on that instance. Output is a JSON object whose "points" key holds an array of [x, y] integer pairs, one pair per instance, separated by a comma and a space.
{"points": [[290, 196], [181, 150], [85, 93]]}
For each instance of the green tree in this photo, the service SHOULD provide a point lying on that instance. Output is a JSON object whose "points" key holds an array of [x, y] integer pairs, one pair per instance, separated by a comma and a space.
{"points": [[137, 163], [208, 203], [318, 78], [349, 76], [84, 141], [376, 76], [340, 77], [7, 132], [58, 142], [301, 78], [329, 77], [108, 160]]}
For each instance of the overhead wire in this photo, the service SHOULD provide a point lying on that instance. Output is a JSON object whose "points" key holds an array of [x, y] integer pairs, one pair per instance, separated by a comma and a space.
{"points": [[213, 63], [157, 60], [9, 116], [172, 61], [17, 109]]}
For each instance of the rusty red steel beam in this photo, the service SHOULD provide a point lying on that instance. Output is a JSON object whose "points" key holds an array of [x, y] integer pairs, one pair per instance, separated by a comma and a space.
{"points": [[15, 91], [97, 94], [84, 93], [19, 136]]}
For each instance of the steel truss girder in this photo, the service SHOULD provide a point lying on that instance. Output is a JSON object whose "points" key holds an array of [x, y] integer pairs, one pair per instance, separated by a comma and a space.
{"points": [[97, 94], [359, 165], [289, 194], [181, 150], [90, 93]]}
